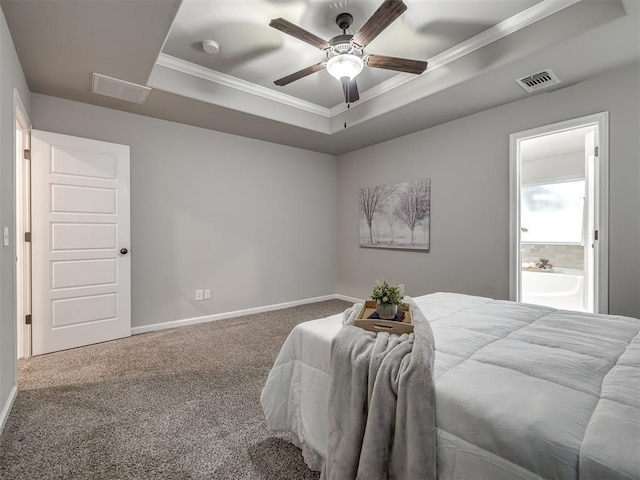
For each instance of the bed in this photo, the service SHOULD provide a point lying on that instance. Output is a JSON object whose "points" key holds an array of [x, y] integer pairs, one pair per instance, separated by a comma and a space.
{"points": [[522, 391]]}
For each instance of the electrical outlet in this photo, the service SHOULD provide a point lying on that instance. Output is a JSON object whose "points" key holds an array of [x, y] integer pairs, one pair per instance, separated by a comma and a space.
{"points": [[198, 294], [207, 294]]}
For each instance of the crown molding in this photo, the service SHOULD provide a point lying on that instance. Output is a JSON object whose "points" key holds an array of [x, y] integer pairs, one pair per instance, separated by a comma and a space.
{"points": [[220, 78], [503, 29]]}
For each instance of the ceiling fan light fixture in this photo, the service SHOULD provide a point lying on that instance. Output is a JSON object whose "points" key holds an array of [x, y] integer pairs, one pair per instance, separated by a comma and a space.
{"points": [[345, 65]]}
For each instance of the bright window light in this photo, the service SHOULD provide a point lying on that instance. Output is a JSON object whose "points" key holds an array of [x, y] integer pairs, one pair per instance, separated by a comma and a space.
{"points": [[552, 213]]}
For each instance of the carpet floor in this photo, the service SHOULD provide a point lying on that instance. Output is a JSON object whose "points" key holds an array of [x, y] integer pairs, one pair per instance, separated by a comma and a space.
{"points": [[173, 404]]}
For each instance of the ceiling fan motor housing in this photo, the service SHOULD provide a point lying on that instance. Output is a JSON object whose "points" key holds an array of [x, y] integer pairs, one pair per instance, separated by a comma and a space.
{"points": [[342, 44], [344, 21]]}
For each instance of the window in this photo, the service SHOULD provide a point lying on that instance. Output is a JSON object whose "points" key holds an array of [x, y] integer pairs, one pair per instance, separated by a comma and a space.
{"points": [[552, 213]]}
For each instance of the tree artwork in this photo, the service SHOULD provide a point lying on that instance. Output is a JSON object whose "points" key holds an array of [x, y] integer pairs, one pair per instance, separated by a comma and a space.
{"points": [[372, 201], [390, 215], [414, 204]]}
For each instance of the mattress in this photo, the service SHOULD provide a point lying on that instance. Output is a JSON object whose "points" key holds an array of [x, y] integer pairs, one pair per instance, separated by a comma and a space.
{"points": [[522, 391]]}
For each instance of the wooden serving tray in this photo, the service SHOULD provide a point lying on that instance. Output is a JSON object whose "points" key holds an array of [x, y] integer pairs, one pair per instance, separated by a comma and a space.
{"points": [[379, 325]]}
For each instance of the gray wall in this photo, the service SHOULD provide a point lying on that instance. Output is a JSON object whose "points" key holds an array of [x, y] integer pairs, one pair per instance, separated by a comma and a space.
{"points": [[253, 221], [468, 163], [10, 77]]}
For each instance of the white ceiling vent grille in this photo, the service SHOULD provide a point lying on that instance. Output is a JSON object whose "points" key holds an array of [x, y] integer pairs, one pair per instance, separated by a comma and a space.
{"points": [[114, 87], [538, 81]]}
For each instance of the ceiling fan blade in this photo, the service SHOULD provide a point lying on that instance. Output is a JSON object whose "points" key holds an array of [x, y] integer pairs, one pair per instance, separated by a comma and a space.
{"points": [[350, 88], [398, 64], [300, 74], [300, 33], [381, 19]]}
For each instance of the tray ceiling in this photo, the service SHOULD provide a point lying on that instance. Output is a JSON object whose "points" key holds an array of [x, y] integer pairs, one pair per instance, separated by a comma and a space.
{"points": [[476, 49], [252, 51]]}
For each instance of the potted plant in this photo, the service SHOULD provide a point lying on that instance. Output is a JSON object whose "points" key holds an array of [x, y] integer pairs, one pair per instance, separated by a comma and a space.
{"points": [[387, 298]]}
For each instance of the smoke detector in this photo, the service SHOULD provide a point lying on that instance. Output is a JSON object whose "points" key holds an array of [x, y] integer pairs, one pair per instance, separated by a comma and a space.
{"points": [[537, 81], [210, 46]]}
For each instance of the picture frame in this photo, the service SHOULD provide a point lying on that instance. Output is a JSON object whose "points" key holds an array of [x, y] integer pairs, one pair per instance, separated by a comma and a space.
{"points": [[396, 216]]}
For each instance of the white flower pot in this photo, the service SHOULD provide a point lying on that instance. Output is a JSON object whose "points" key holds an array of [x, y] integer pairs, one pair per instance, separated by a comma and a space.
{"points": [[386, 311]]}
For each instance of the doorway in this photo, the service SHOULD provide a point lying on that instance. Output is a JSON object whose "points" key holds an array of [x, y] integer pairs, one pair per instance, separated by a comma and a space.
{"points": [[559, 223], [22, 178]]}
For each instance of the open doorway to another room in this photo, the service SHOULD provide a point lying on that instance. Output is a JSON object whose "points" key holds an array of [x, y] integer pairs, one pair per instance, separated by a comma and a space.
{"points": [[22, 168], [558, 215]]}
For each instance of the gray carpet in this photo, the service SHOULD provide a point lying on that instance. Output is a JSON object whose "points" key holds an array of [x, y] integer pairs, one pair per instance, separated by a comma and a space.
{"points": [[174, 404]]}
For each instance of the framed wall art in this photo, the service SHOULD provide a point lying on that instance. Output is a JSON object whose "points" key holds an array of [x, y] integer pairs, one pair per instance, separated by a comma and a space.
{"points": [[396, 216]]}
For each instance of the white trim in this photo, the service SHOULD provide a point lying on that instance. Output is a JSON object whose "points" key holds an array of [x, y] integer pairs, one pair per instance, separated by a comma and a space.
{"points": [[515, 260], [18, 235], [602, 254], [601, 304], [220, 78], [6, 410], [17, 102], [233, 314], [346, 298], [21, 116]]}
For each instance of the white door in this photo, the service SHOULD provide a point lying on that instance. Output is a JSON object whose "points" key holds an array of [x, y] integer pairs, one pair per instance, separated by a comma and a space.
{"points": [[80, 241]]}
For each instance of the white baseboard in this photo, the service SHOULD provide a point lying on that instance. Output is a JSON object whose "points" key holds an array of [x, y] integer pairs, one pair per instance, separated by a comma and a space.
{"points": [[236, 313], [6, 410], [346, 298]]}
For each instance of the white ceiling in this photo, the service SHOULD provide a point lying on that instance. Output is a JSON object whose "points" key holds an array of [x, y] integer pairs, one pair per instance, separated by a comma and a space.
{"points": [[475, 48]]}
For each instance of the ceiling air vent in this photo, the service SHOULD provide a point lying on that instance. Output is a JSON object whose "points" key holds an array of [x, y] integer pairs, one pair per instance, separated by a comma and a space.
{"points": [[538, 81], [114, 87]]}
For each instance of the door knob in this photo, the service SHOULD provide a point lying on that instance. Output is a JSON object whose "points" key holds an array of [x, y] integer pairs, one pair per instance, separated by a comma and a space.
{"points": [[124, 251]]}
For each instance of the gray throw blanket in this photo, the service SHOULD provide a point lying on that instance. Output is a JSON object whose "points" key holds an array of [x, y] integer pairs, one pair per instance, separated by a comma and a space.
{"points": [[381, 403]]}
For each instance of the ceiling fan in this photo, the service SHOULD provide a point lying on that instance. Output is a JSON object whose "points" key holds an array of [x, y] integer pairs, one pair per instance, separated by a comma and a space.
{"points": [[345, 53]]}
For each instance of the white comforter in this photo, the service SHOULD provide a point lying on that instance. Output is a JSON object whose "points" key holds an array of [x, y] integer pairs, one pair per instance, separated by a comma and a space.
{"points": [[522, 391]]}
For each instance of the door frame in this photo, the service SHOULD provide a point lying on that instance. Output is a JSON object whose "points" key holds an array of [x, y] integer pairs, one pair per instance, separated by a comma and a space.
{"points": [[601, 274], [22, 344]]}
